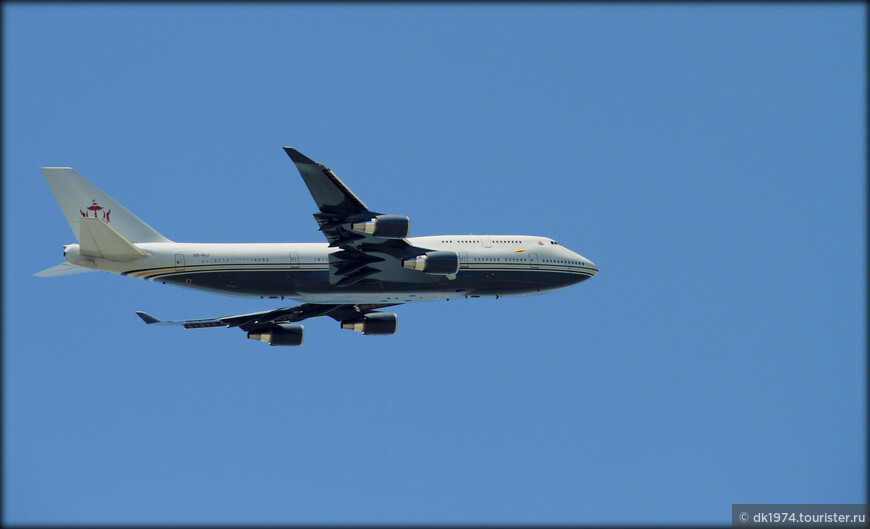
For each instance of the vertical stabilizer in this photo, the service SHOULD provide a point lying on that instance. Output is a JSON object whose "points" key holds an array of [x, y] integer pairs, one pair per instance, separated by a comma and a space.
{"points": [[79, 199]]}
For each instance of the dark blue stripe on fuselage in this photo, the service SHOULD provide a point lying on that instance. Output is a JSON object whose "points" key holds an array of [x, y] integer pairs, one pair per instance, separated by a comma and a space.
{"points": [[290, 282]]}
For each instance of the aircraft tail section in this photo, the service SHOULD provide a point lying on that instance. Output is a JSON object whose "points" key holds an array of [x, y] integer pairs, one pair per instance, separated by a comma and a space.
{"points": [[98, 239], [82, 201], [63, 269]]}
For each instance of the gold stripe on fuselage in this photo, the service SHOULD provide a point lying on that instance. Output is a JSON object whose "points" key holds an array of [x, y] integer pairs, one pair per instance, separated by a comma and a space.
{"points": [[154, 273], [172, 270]]}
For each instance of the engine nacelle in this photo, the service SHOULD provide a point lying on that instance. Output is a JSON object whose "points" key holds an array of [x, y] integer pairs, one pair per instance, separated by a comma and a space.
{"points": [[386, 226], [280, 334], [373, 323], [441, 263]]}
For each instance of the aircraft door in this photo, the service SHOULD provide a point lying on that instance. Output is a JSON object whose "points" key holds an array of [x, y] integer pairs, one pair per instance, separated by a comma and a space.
{"points": [[463, 260], [179, 262], [533, 260], [294, 259], [484, 239]]}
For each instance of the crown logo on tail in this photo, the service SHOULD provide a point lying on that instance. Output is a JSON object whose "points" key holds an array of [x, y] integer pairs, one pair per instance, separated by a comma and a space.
{"points": [[98, 211]]}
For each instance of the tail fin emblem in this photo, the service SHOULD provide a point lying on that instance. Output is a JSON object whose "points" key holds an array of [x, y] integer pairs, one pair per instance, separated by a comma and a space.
{"points": [[96, 208]]}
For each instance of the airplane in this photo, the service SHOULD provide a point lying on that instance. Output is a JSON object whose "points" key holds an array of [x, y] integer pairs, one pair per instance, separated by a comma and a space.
{"points": [[367, 263]]}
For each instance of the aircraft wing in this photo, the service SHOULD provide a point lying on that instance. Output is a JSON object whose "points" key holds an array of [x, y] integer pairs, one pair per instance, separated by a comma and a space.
{"points": [[365, 237], [258, 320], [332, 197]]}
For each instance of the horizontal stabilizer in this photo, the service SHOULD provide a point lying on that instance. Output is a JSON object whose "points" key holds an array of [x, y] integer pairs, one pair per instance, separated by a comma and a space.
{"points": [[98, 239], [63, 269]]}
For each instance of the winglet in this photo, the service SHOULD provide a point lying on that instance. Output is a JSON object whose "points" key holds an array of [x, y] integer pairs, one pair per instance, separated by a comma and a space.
{"points": [[147, 318], [298, 157]]}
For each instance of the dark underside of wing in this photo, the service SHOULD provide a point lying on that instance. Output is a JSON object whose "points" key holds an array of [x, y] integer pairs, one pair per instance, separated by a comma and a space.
{"points": [[264, 319], [360, 254], [368, 242]]}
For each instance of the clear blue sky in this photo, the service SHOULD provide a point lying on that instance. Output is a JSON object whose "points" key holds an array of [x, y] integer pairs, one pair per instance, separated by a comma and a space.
{"points": [[710, 159]]}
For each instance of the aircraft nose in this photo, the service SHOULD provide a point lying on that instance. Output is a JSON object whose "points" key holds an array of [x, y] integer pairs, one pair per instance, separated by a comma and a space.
{"points": [[585, 263], [593, 267]]}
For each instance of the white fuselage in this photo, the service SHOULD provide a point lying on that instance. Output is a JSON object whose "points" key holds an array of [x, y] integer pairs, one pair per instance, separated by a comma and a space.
{"points": [[495, 265]]}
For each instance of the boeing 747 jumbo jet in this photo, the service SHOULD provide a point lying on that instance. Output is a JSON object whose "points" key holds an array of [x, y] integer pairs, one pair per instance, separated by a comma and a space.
{"points": [[368, 262]]}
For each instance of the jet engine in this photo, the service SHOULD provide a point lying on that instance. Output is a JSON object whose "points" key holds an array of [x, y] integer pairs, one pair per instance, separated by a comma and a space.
{"points": [[442, 263], [280, 334], [373, 323], [386, 226]]}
